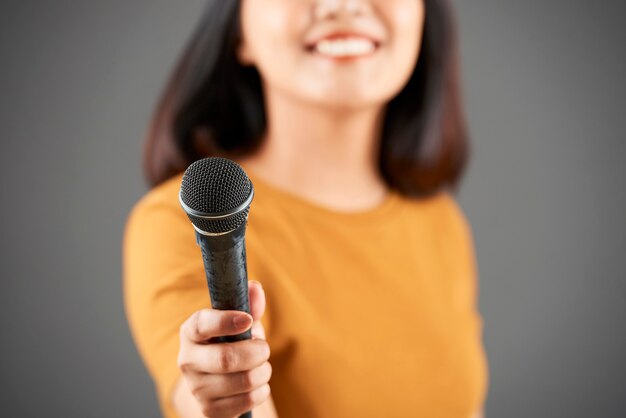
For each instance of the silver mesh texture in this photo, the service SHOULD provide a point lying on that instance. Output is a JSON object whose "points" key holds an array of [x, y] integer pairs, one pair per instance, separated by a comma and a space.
{"points": [[220, 226]]}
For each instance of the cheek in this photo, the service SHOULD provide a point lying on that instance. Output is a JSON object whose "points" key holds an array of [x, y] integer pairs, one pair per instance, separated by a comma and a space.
{"points": [[407, 12], [405, 22], [270, 29]]}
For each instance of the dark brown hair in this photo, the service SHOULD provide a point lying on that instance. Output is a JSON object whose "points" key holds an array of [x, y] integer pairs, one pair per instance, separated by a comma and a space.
{"points": [[212, 105]]}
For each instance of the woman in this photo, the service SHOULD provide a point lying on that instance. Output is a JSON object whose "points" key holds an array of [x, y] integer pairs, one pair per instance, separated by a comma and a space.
{"points": [[345, 115]]}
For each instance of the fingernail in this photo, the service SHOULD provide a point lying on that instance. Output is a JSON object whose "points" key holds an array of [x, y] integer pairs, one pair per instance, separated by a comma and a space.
{"points": [[257, 282], [242, 321]]}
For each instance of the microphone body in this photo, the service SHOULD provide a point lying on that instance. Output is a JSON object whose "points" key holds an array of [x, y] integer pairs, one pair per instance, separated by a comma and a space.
{"points": [[226, 271]]}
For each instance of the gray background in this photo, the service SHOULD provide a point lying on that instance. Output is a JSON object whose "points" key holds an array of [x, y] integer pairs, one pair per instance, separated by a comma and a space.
{"points": [[544, 87]]}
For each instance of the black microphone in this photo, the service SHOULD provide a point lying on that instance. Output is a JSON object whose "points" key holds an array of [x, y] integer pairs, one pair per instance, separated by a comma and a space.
{"points": [[216, 194]]}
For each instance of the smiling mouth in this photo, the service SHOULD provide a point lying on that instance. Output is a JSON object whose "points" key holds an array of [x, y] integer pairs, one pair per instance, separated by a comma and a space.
{"points": [[343, 47]]}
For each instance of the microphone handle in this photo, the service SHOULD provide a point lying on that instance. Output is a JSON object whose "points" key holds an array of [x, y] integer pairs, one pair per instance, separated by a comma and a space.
{"points": [[226, 271]]}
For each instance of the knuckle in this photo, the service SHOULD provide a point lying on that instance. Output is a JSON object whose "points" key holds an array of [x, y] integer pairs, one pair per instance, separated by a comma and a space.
{"points": [[249, 399], [183, 364], [255, 397], [196, 325], [196, 390], [187, 329], [199, 390], [183, 330], [247, 379], [227, 358]]}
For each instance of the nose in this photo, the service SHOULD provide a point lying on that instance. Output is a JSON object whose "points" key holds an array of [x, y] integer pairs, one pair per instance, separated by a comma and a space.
{"points": [[333, 9]]}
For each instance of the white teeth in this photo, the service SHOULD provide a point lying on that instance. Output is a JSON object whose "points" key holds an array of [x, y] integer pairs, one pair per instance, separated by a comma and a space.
{"points": [[345, 47]]}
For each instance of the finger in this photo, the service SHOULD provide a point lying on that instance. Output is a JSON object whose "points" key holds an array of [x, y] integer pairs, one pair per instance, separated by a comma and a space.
{"points": [[257, 299], [238, 404], [226, 357], [258, 330], [215, 386], [207, 323]]}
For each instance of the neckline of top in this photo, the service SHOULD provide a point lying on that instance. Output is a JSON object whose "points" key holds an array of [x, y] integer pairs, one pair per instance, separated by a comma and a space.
{"points": [[378, 213]]}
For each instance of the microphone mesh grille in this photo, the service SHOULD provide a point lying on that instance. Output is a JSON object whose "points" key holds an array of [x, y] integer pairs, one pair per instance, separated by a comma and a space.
{"points": [[215, 185]]}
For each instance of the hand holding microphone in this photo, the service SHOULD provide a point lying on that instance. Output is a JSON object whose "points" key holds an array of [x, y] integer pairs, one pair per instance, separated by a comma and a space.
{"points": [[227, 379], [227, 372]]}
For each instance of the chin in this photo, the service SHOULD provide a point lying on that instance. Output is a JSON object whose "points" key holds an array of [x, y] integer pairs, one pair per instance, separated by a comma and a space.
{"points": [[348, 98], [351, 104]]}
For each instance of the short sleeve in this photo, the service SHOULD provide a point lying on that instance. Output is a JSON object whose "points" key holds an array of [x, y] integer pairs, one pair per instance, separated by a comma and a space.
{"points": [[164, 283]]}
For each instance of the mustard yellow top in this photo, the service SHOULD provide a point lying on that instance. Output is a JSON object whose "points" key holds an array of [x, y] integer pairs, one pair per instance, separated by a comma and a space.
{"points": [[369, 314]]}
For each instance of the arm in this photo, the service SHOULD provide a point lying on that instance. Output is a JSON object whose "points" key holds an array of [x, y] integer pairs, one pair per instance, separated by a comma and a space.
{"points": [[164, 284]]}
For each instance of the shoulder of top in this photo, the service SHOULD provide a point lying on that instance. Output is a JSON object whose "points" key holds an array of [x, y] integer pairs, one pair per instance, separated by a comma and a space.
{"points": [[443, 206], [442, 200], [447, 199], [164, 195], [453, 211]]}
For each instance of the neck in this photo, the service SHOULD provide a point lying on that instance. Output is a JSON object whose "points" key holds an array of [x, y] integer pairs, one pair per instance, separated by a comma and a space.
{"points": [[329, 156]]}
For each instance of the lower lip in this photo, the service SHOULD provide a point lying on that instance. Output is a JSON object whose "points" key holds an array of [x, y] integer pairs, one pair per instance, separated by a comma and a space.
{"points": [[344, 58]]}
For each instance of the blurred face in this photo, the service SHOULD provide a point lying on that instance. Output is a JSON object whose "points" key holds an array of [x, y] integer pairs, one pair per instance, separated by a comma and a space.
{"points": [[338, 53]]}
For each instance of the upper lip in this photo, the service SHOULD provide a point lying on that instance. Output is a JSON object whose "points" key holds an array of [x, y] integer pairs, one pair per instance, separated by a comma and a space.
{"points": [[316, 36]]}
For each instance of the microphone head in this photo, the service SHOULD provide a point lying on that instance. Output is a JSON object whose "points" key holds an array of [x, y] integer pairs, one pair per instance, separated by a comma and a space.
{"points": [[216, 194]]}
